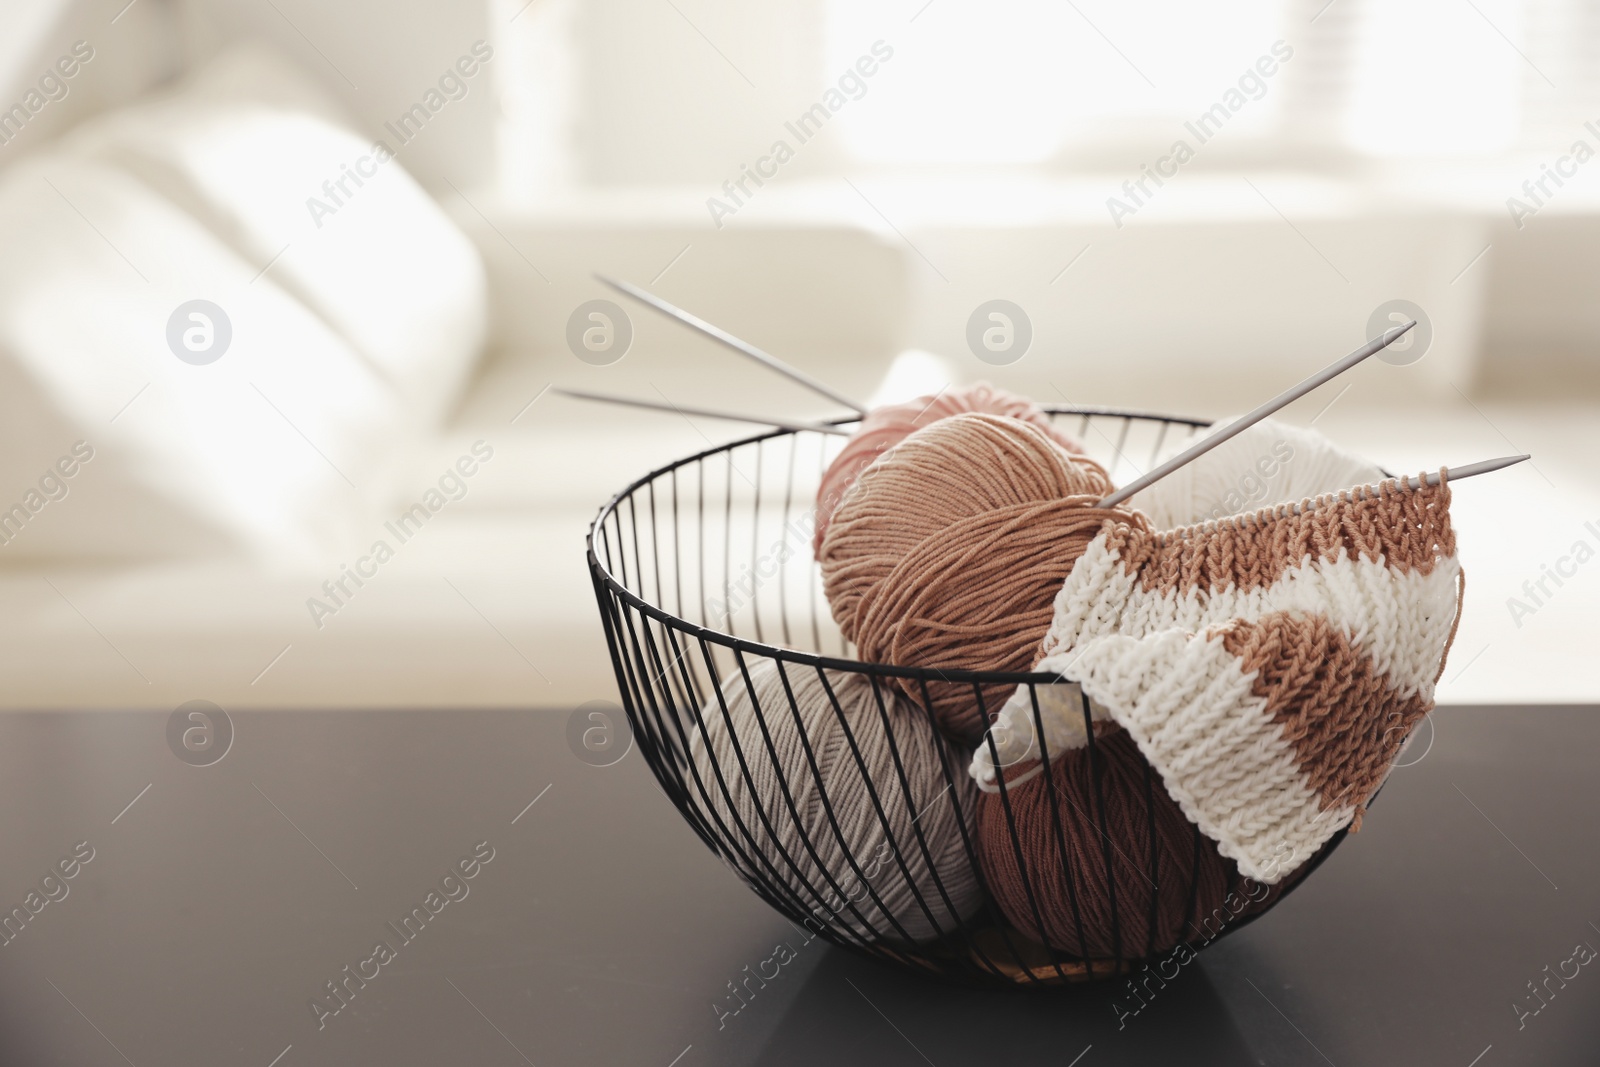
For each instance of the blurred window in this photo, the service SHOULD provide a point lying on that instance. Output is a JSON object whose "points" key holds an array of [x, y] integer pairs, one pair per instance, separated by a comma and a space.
{"points": [[1026, 81], [1436, 77], [634, 93], [1016, 81]]}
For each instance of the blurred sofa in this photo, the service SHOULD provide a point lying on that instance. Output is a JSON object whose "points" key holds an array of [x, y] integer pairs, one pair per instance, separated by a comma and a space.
{"points": [[232, 337], [345, 482], [372, 498]]}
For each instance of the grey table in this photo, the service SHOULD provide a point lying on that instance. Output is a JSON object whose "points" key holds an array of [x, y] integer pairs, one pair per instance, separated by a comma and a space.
{"points": [[220, 900]]}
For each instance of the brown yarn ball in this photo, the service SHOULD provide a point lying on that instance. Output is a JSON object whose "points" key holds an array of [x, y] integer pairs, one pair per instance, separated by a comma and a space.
{"points": [[1183, 884], [886, 426], [951, 549]]}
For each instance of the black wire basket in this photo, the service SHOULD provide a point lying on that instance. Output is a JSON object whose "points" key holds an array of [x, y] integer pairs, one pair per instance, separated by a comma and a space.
{"points": [[703, 571]]}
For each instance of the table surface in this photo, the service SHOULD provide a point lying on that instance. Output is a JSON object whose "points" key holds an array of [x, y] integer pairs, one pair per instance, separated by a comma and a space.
{"points": [[221, 899]]}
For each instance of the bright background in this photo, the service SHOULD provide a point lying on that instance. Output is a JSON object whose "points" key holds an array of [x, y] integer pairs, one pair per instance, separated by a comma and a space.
{"points": [[976, 163]]}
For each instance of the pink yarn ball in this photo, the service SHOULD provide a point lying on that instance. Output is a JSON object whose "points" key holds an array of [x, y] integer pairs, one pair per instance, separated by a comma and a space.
{"points": [[885, 427]]}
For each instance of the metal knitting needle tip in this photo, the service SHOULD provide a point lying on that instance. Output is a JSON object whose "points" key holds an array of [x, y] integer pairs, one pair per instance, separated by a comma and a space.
{"points": [[1455, 474], [1244, 422], [706, 413], [744, 348]]}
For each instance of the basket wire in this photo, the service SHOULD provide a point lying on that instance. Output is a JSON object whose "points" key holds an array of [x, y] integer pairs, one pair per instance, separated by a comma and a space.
{"points": [[704, 566]]}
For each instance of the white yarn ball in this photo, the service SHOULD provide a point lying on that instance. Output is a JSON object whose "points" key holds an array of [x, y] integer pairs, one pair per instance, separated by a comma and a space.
{"points": [[1270, 463], [861, 834]]}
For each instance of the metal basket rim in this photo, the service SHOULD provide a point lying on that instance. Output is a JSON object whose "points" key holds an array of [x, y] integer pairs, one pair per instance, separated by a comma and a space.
{"points": [[812, 659]]}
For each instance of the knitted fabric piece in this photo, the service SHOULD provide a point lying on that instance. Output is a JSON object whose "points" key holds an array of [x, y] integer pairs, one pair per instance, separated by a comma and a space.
{"points": [[1269, 666]]}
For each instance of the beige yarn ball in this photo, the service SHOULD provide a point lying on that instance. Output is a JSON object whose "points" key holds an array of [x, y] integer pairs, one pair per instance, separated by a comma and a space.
{"points": [[834, 819]]}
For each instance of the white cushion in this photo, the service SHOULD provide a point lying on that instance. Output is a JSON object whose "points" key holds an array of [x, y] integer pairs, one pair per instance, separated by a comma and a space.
{"points": [[246, 146], [239, 452]]}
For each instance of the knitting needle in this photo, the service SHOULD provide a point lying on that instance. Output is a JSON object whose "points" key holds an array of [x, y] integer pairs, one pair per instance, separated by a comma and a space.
{"points": [[1455, 474], [707, 413], [1243, 423], [744, 348]]}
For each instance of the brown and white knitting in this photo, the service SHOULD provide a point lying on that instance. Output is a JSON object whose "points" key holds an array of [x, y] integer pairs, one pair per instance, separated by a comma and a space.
{"points": [[1269, 666]]}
